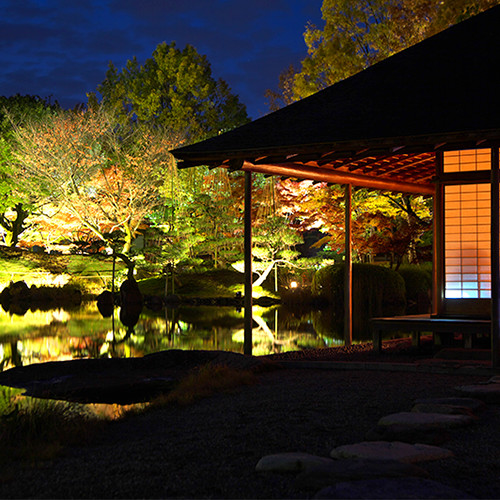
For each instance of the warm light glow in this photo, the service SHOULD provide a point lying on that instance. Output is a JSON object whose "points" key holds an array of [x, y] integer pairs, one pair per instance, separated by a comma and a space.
{"points": [[467, 229], [466, 160], [294, 284]]}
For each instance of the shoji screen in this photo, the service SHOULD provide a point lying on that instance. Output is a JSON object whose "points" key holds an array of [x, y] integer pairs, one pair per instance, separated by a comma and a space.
{"points": [[467, 241], [467, 227]]}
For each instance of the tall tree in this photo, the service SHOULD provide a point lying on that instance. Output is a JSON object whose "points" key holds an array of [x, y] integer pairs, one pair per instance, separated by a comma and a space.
{"points": [[16, 203], [105, 176], [173, 89], [359, 33]]}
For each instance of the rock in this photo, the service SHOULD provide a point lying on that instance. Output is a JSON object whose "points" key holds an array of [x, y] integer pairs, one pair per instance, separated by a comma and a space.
{"points": [[441, 408], [317, 476], [470, 403], [105, 304], [131, 302], [412, 427], [19, 291], [391, 488], [289, 462], [426, 420], [396, 450], [406, 434], [494, 380], [488, 392]]}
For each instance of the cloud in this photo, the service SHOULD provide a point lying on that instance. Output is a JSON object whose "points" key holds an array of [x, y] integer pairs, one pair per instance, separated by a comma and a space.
{"points": [[62, 48]]}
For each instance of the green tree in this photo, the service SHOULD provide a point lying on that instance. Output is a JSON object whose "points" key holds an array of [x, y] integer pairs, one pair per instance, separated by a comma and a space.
{"points": [[173, 89], [16, 203], [359, 33]]}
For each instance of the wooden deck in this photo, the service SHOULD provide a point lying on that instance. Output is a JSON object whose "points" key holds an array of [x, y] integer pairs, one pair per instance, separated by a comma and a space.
{"points": [[417, 324]]}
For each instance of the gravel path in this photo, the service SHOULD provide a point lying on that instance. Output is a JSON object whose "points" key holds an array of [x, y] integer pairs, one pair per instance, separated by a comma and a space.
{"points": [[210, 449]]}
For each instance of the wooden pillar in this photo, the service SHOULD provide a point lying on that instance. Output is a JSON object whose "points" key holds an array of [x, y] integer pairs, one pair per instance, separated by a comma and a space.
{"points": [[438, 242], [348, 268], [495, 258], [247, 342]]}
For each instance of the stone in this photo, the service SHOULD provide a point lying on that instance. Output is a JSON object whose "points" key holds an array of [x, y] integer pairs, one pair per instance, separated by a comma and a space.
{"points": [[395, 450], [470, 403], [494, 380], [426, 420], [441, 408], [406, 434], [290, 462], [391, 488], [488, 392], [317, 476], [412, 427]]}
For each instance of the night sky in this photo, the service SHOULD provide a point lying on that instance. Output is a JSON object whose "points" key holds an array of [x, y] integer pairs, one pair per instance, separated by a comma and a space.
{"points": [[61, 48]]}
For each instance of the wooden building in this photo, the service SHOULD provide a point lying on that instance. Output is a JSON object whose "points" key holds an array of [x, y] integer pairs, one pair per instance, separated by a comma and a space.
{"points": [[423, 121]]}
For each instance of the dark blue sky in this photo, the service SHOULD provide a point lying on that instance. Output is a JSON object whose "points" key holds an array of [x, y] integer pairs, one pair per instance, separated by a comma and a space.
{"points": [[61, 48]]}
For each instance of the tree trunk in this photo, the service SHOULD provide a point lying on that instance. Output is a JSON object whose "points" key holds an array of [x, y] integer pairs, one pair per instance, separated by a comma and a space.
{"points": [[127, 245], [14, 228]]}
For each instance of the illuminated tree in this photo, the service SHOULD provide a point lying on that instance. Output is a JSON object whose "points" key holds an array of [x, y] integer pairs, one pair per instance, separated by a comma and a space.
{"points": [[107, 177], [16, 203], [381, 224], [359, 33], [173, 89]]}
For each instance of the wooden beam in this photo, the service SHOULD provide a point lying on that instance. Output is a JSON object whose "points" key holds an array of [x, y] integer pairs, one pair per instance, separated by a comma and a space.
{"points": [[337, 177]]}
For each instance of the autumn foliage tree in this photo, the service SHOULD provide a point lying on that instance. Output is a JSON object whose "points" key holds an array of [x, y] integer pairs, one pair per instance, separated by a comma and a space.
{"points": [[390, 224], [105, 176]]}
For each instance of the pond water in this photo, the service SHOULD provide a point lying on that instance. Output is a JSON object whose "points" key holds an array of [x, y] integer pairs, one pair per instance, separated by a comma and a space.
{"points": [[59, 334]]}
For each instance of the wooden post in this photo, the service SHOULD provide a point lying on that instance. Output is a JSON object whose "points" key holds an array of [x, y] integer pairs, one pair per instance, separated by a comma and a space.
{"points": [[348, 269], [438, 282], [495, 258], [247, 342]]}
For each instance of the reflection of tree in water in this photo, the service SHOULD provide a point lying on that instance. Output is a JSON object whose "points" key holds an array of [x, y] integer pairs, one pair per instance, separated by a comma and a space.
{"points": [[10, 355], [172, 326], [87, 347]]}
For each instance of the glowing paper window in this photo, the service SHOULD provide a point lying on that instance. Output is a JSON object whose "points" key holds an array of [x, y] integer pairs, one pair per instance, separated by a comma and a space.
{"points": [[467, 241], [466, 160]]}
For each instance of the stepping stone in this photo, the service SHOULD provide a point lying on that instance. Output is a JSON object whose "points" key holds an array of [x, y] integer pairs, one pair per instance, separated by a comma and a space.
{"points": [[319, 476], [441, 408], [488, 392], [391, 488], [412, 427], [426, 420], [290, 462], [470, 403], [396, 450]]}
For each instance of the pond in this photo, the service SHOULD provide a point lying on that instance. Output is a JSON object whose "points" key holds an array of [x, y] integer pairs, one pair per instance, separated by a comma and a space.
{"points": [[60, 334]]}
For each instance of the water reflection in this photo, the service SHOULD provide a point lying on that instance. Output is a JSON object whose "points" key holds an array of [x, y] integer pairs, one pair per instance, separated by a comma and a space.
{"points": [[41, 336]]}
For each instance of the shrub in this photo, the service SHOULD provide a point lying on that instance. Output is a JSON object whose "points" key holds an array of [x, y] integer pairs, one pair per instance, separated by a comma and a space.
{"points": [[376, 291], [418, 284]]}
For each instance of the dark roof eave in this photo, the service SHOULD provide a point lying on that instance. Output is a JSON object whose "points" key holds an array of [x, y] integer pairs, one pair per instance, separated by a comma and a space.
{"points": [[194, 155]]}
